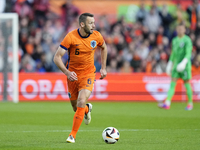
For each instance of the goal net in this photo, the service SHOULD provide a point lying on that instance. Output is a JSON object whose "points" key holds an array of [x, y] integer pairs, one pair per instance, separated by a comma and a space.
{"points": [[9, 64]]}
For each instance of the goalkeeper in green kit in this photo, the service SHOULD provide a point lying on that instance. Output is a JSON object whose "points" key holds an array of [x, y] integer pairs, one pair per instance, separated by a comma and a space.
{"points": [[179, 66]]}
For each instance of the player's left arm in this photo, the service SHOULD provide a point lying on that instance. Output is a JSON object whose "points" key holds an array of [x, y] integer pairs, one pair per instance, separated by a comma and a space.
{"points": [[103, 60], [188, 49], [188, 52]]}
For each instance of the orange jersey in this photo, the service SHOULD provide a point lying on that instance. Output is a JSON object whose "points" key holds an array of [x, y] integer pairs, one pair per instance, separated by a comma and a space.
{"points": [[81, 51]]}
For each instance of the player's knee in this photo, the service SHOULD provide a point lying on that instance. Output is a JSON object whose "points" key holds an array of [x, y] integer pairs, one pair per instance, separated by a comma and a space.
{"points": [[81, 103]]}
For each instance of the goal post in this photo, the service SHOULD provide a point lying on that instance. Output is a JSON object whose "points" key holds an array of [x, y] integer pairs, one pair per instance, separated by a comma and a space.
{"points": [[14, 90]]}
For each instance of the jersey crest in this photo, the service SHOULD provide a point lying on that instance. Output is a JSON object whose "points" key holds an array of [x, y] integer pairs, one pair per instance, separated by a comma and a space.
{"points": [[93, 43]]}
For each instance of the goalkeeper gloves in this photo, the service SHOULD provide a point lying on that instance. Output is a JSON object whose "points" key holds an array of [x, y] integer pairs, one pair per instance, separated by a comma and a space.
{"points": [[169, 67], [181, 66]]}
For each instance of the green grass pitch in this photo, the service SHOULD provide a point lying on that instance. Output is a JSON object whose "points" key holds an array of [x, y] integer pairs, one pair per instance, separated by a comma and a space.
{"points": [[142, 126]]}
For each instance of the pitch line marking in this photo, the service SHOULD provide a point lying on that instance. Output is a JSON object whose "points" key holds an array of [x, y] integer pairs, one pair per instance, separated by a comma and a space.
{"points": [[128, 130]]}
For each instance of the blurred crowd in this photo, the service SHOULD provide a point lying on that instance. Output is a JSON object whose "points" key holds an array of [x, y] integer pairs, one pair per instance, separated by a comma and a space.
{"points": [[142, 46]]}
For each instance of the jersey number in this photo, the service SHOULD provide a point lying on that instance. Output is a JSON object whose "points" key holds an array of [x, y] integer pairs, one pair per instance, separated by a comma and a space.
{"points": [[89, 81], [77, 52]]}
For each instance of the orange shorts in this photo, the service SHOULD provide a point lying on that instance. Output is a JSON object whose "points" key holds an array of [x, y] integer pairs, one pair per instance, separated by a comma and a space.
{"points": [[74, 87]]}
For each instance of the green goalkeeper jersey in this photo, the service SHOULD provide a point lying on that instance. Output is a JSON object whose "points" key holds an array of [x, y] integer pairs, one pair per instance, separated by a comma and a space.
{"points": [[181, 48]]}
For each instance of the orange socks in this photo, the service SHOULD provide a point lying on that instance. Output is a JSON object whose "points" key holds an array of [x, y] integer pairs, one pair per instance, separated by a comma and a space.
{"points": [[78, 118], [86, 109]]}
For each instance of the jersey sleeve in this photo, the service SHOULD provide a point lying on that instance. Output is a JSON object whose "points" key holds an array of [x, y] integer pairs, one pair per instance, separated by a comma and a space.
{"points": [[171, 58], [65, 44], [100, 39], [188, 48]]}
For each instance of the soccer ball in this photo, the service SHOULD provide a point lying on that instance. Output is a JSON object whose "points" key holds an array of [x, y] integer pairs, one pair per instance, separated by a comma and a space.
{"points": [[110, 135]]}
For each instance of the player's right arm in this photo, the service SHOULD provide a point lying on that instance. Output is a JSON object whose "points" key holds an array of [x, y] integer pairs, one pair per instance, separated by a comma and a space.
{"points": [[170, 62], [59, 63], [171, 58]]}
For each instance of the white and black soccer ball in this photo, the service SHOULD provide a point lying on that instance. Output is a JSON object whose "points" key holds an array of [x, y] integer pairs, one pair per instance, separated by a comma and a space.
{"points": [[110, 135]]}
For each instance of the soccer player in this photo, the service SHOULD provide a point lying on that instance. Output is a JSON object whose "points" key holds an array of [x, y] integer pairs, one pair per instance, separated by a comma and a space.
{"points": [[179, 66], [81, 44]]}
